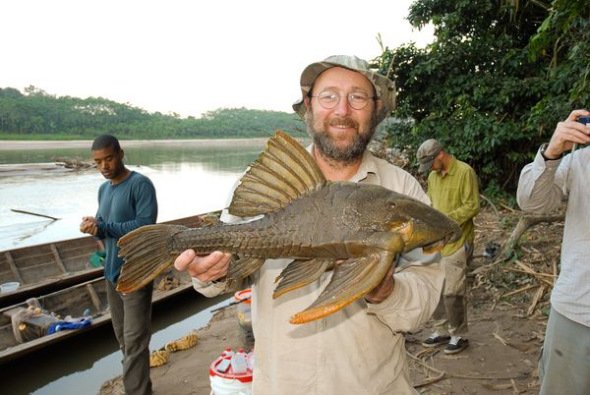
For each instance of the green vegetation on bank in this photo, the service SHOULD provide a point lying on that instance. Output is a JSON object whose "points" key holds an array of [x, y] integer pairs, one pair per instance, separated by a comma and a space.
{"points": [[36, 114], [494, 83]]}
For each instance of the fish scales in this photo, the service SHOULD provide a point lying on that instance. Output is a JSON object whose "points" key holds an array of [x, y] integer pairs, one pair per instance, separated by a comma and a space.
{"points": [[357, 230], [291, 232]]}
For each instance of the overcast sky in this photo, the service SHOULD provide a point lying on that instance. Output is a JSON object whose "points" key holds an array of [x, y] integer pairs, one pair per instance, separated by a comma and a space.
{"points": [[190, 56]]}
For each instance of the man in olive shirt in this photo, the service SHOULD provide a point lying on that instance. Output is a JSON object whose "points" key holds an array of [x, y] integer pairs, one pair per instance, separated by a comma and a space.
{"points": [[453, 190]]}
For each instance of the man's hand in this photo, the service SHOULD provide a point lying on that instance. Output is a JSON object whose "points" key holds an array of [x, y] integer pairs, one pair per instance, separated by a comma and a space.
{"points": [[205, 268], [566, 134], [89, 225], [383, 290]]}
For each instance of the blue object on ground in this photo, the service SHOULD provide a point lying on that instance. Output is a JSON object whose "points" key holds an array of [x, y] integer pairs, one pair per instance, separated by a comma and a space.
{"points": [[63, 325]]}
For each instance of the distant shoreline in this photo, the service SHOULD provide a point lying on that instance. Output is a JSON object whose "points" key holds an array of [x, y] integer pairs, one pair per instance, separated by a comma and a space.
{"points": [[11, 145]]}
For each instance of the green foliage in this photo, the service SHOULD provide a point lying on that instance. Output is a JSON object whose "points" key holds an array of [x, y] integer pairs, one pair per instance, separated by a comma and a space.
{"points": [[493, 84], [35, 114]]}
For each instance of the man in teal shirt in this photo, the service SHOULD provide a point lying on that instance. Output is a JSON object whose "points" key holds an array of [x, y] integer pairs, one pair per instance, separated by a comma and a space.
{"points": [[125, 202], [453, 190]]}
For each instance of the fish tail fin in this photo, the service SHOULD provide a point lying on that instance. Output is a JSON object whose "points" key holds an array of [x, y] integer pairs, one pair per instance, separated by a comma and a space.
{"points": [[147, 253]]}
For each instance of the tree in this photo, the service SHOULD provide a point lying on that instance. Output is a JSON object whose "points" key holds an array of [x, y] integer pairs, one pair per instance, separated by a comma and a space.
{"points": [[486, 86], [41, 115]]}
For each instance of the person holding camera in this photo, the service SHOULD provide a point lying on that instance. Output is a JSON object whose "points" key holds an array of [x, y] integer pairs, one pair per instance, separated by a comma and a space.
{"points": [[553, 178]]}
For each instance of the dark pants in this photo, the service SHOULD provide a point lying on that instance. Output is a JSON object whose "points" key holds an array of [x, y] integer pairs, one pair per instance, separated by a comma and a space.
{"points": [[131, 316]]}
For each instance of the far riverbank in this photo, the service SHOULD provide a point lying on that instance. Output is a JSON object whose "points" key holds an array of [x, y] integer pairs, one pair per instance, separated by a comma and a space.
{"points": [[8, 145]]}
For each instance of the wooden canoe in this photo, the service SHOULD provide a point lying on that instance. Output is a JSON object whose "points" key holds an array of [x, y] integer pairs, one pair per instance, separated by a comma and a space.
{"points": [[49, 267], [87, 299]]}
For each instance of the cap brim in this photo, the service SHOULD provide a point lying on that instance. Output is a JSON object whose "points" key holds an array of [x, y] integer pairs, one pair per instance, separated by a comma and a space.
{"points": [[384, 87], [425, 166]]}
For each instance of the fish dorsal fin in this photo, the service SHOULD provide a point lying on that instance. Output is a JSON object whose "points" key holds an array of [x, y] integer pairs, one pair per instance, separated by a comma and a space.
{"points": [[283, 172]]}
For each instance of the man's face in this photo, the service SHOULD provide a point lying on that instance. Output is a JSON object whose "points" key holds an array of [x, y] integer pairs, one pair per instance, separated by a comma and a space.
{"points": [[437, 164], [109, 162], [341, 133]]}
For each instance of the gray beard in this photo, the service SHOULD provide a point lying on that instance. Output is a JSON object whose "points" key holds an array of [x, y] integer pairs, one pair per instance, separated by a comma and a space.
{"points": [[347, 155]]}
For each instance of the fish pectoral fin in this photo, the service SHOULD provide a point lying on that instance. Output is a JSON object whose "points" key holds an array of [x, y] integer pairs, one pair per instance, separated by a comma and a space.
{"points": [[147, 253], [352, 279], [242, 267], [299, 273]]}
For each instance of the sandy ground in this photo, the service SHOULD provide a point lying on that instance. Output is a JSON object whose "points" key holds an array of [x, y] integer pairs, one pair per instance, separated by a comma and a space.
{"points": [[501, 359], [505, 334], [7, 145], [187, 371]]}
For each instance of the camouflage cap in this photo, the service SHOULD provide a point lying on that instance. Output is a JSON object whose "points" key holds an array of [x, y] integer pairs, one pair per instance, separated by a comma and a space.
{"points": [[384, 87], [426, 154]]}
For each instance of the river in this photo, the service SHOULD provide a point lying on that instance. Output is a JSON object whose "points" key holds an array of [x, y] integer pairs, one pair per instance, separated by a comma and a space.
{"points": [[190, 178]]}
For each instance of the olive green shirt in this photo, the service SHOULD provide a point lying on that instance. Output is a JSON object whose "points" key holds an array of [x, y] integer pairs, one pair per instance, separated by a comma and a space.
{"points": [[456, 194]]}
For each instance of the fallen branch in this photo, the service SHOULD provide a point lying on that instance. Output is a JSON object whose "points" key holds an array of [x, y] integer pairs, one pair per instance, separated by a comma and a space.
{"points": [[525, 222], [521, 348], [536, 299], [457, 376], [517, 291], [509, 269], [488, 201], [500, 339], [529, 270]]}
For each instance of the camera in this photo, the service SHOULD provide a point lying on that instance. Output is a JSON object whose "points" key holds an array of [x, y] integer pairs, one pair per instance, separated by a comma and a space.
{"points": [[584, 119]]}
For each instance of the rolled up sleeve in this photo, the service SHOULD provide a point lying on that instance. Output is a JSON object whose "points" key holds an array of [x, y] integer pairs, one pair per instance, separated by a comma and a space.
{"points": [[415, 295]]}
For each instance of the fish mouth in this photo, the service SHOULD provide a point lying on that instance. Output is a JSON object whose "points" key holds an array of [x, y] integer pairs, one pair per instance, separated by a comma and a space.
{"points": [[438, 245], [432, 248]]}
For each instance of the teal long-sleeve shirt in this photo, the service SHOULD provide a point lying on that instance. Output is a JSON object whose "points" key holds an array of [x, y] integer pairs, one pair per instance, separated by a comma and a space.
{"points": [[122, 208]]}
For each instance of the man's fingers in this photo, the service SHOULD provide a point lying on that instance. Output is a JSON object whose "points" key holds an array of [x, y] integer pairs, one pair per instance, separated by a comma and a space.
{"points": [[184, 260]]}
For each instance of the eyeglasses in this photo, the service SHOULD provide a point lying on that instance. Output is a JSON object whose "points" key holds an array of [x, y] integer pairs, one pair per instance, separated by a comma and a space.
{"points": [[330, 99]]}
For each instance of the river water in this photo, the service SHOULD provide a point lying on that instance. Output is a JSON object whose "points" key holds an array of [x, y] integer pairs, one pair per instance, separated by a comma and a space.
{"points": [[190, 178]]}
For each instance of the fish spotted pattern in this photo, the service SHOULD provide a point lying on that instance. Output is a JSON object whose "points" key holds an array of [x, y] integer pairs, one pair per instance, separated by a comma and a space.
{"points": [[357, 230]]}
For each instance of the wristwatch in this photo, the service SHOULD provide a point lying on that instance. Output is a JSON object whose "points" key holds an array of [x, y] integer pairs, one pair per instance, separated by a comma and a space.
{"points": [[542, 152]]}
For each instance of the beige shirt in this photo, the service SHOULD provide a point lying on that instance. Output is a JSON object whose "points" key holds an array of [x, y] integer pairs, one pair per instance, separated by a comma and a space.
{"points": [[357, 350], [546, 185]]}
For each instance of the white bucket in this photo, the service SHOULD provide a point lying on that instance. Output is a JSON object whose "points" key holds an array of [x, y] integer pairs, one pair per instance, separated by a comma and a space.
{"points": [[224, 379], [222, 386]]}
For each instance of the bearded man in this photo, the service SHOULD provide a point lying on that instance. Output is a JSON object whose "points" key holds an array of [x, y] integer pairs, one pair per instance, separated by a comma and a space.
{"points": [[359, 349]]}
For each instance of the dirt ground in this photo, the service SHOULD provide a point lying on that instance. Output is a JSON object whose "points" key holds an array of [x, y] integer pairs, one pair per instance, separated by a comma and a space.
{"points": [[508, 303]]}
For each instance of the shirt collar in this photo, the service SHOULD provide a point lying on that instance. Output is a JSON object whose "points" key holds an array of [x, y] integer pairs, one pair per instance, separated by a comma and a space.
{"points": [[452, 168]]}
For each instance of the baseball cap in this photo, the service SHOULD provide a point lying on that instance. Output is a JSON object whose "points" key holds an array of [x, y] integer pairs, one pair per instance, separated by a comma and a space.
{"points": [[426, 154]]}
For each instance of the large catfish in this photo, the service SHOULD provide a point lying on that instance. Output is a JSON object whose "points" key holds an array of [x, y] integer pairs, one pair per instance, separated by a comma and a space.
{"points": [[358, 230]]}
